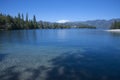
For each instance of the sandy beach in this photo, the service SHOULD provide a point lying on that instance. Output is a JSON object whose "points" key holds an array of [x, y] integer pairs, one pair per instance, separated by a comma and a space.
{"points": [[113, 30]]}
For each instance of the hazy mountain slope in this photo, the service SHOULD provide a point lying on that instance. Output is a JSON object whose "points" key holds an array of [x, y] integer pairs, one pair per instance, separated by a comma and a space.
{"points": [[99, 24]]}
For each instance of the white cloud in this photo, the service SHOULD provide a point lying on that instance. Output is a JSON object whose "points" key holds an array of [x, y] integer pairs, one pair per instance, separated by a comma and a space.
{"points": [[62, 21]]}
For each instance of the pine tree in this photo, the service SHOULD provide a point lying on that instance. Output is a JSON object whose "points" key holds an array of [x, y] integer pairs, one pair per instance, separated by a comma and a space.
{"points": [[22, 22], [19, 21], [27, 23], [34, 22]]}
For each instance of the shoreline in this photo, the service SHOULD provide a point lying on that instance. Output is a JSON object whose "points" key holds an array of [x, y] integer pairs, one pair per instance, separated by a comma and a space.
{"points": [[113, 30]]}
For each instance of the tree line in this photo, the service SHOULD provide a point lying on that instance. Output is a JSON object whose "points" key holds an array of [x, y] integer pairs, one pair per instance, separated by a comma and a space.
{"points": [[8, 22], [115, 25], [18, 22]]}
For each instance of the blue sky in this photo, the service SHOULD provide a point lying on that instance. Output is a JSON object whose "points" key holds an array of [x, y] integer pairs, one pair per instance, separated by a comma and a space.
{"points": [[54, 10]]}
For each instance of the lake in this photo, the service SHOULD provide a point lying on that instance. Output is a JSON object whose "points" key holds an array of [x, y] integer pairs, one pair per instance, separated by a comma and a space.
{"points": [[59, 54]]}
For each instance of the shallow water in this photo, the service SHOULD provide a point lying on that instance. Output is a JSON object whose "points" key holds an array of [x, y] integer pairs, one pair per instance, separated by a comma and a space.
{"points": [[59, 54]]}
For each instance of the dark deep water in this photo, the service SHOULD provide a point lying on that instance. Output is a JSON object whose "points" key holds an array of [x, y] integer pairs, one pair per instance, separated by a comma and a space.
{"points": [[59, 54]]}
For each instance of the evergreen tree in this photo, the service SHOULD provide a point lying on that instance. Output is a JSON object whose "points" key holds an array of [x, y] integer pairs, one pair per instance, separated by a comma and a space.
{"points": [[27, 23], [22, 22], [34, 22], [19, 21]]}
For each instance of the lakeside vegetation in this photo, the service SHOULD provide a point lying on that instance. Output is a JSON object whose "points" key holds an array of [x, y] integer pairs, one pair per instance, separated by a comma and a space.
{"points": [[115, 25], [8, 22]]}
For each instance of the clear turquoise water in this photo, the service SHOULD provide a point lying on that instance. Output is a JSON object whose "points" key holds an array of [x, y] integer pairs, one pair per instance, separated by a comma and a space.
{"points": [[59, 54]]}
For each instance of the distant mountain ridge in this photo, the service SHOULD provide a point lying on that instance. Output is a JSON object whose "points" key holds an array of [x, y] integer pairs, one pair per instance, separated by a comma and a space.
{"points": [[99, 24]]}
